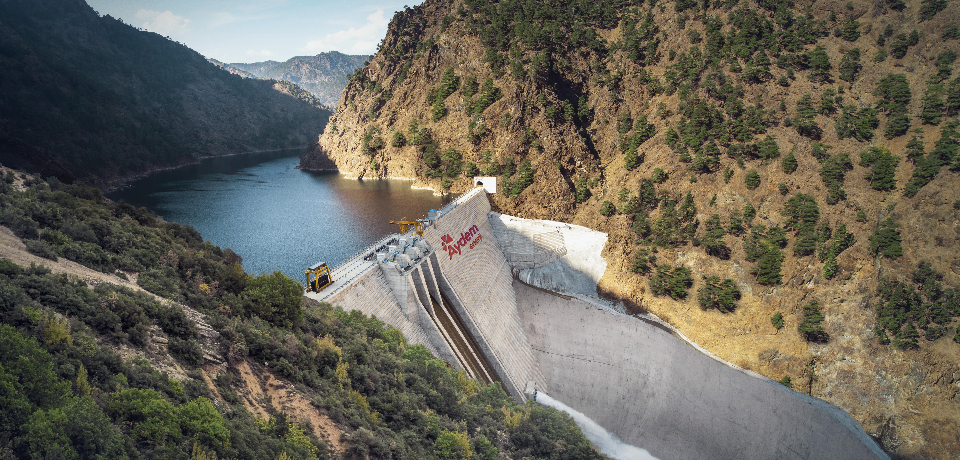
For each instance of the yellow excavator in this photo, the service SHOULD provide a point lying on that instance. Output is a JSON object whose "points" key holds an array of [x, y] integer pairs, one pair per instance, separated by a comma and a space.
{"points": [[318, 277]]}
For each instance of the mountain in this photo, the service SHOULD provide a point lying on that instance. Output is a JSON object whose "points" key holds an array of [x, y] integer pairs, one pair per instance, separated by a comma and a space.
{"points": [[91, 98], [323, 75], [231, 69], [778, 178]]}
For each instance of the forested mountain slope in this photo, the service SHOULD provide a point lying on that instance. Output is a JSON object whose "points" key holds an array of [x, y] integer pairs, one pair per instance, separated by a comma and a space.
{"points": [[778, 178], [217, 363], [89, 97], [323, 75]]}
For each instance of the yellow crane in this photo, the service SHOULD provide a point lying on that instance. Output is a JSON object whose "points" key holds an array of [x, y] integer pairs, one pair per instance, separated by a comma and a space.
{"points": [[318, 277], [404, 224]]}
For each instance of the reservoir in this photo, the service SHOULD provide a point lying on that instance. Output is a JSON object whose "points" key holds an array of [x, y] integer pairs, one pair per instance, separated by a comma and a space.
{"points": [[275, 216]]}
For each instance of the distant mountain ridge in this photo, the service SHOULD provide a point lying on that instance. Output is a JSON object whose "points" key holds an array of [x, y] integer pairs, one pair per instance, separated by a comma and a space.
{"points": [[324, 75], [92, 98]]}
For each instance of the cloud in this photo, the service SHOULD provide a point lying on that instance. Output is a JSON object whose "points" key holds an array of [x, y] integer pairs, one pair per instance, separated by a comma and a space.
{"points": [[165, 23], [261, 53], [355, 41]]}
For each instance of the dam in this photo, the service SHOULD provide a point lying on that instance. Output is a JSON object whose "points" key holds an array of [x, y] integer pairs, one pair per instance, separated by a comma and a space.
{"points": [[513, 301]]}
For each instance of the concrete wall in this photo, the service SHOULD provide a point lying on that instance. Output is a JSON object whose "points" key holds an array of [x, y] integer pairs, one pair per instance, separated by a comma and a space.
{"points": [[576, 265], [656, 392], [371, 294], [480, 288]]}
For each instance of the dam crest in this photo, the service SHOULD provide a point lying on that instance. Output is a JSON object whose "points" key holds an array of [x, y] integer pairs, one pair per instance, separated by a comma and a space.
{"points": [[513, 301]]}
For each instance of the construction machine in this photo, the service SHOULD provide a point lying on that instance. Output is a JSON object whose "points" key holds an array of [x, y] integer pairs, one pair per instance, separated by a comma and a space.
{"points": [[318, 277]]}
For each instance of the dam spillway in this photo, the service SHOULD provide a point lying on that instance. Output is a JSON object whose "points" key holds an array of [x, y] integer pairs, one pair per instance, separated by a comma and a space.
{"points": [[478, 290]]}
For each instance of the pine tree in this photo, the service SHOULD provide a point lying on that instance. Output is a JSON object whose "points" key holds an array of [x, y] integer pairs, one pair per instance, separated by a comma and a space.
{"points": [[933, 105], [608, 208], [884, 167], [886, 240], [809, 326], [804, 120], [713, 239], [768, 267], [719, 294], [952, 105], [907, 337], [671, 281], [752, 179], [524, 178], [915, 146], [830, 267], [789, 163], [850, 65]]}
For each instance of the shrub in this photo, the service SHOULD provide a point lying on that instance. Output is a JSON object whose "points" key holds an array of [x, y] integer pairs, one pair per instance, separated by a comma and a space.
{"points": [[275, 298], [777, 321], [671, 281], [785, 381], [658, 175], [719, 294], [42, 249], [608, 208]]}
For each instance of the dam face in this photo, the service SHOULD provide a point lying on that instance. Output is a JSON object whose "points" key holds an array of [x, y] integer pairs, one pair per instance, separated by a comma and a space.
{"points": [[477, 289]]}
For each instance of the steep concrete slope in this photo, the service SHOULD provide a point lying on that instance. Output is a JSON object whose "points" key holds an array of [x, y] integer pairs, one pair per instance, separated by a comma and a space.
{"points": [[658, 393]]}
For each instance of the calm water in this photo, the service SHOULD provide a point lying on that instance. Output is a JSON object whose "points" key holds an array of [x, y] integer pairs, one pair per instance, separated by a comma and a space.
{"points": [[277, 217]]}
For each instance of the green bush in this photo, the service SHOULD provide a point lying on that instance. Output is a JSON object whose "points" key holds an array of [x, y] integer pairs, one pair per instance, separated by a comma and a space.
{"points": [[275, 298], [671, 281], [777, 321], [42, 249]]}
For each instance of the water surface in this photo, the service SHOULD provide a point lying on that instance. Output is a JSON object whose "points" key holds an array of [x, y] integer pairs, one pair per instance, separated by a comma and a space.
{"points": [[275, 216]]}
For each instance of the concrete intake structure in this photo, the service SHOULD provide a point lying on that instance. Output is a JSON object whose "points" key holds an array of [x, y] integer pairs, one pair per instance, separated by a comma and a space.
{"points": [[454, 290]]}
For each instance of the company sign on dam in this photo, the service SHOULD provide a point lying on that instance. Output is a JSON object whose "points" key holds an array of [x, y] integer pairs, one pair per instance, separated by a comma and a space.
{"points": [[456, 290]]}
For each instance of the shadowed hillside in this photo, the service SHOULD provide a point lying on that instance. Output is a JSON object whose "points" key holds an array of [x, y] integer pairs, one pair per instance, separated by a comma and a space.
{"points": [[91, 98]]}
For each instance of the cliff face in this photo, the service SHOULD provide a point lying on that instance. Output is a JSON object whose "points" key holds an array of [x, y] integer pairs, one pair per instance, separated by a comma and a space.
{"points": [[625, 110], [89, 97], [323, 75]]}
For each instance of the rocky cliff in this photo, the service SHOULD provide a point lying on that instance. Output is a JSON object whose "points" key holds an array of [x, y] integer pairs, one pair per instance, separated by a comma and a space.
{"points": [[771, 174]]}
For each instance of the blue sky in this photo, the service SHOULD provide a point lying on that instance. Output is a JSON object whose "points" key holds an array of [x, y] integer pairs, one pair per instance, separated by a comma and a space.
{"points": [[259, 30]]}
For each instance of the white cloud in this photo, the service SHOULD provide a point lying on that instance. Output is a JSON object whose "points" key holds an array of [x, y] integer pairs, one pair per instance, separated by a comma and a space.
{"points": [[259, 54], [165, 23], [355, 41], [223, 18]]}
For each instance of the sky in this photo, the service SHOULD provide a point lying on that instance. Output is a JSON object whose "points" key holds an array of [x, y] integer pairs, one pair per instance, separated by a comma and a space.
{"points": [[260, 30]]}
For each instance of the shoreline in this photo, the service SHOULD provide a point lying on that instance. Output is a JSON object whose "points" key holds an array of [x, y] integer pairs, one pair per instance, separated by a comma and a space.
{"points": [[124, 182], [354, 176]]}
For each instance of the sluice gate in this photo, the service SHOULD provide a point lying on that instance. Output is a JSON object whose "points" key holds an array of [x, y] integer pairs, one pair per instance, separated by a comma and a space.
{"points": [[452, 290]]}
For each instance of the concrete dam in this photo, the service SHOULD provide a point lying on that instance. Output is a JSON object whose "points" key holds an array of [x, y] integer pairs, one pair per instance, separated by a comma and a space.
{"points": [[513, 301]]}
